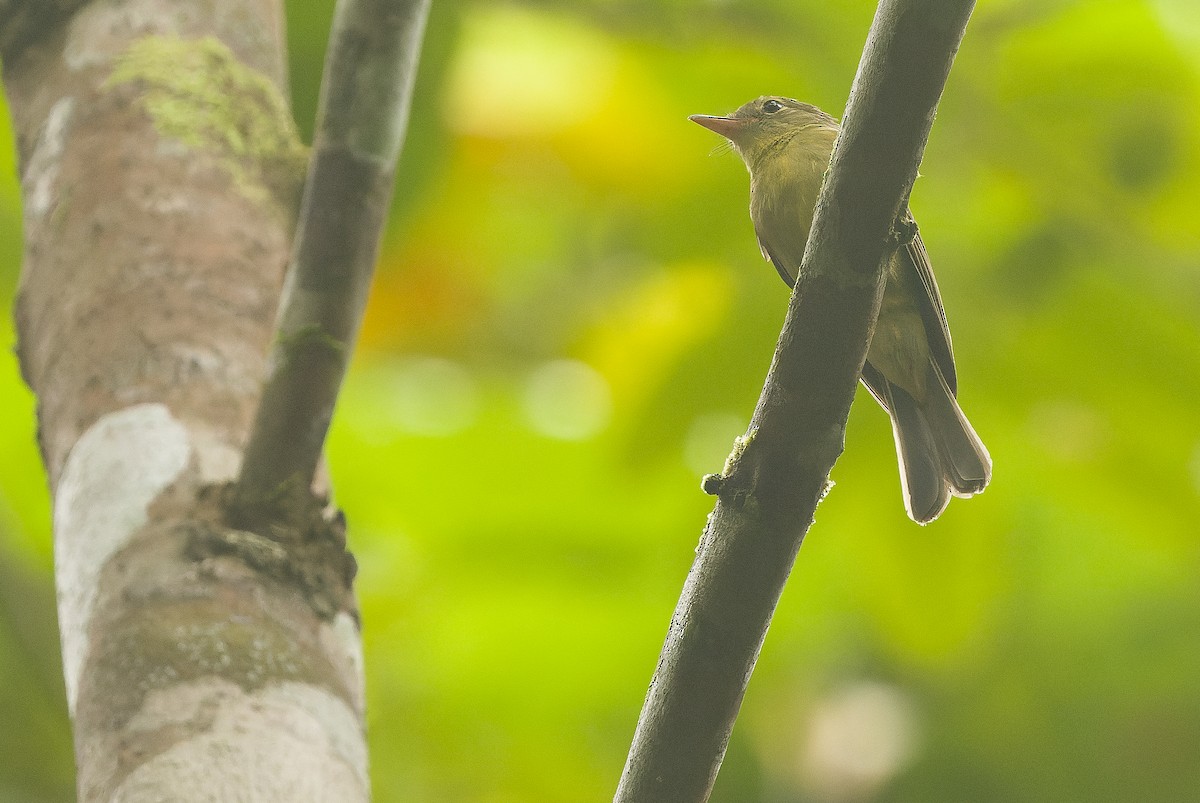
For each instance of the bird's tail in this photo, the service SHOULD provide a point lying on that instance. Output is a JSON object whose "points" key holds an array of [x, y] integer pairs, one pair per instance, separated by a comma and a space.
{"points": [[940, 454]]}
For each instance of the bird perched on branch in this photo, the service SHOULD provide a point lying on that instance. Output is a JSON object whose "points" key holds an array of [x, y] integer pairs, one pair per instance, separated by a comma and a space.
{"points": [[786, 146]]}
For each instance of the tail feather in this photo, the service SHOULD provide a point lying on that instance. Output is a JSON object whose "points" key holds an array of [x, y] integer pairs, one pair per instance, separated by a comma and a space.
{"points": [[967, 464], [922, 478], [940, 453]]}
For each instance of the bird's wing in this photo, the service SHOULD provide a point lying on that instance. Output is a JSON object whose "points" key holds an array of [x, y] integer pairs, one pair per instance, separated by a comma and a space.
{"points": [[880, 388], [933, 315], [929, 302], [774, 259]]}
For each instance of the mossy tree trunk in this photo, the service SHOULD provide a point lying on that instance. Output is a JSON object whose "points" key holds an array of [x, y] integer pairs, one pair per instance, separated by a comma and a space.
{"points": [[160, 173]]}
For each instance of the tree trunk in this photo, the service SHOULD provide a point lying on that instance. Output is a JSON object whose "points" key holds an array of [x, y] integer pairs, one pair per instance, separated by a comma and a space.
{"points": [[160, 171]]}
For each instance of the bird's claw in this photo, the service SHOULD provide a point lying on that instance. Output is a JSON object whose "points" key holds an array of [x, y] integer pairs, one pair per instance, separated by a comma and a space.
{"points": [[904, 230]]}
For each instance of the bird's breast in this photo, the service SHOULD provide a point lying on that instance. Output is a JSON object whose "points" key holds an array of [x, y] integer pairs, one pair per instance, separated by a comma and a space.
{"points": [[781, 206]]}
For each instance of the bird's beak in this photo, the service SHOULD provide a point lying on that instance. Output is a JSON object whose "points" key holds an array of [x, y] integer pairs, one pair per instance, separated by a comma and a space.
{"points": [[728, 127]]}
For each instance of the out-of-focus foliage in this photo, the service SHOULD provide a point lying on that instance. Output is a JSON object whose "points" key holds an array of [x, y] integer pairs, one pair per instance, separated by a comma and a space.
{"points": [[572, 322]]}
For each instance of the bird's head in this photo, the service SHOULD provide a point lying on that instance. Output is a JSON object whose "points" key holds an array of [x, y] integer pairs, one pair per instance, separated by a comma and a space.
{"points": [[763, 124]]}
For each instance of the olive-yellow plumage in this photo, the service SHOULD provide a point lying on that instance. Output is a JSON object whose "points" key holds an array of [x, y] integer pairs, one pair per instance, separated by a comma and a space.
{"points": [[786, 146]]}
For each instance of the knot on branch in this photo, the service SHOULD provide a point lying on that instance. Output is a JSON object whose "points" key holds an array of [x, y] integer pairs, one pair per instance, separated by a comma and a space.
{"points": [[290, 537], [730, 486]]}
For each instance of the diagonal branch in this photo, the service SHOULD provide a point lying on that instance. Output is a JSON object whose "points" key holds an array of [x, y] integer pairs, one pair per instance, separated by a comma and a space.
{"points": [[779, 471], [23, 22], [365, 98]]}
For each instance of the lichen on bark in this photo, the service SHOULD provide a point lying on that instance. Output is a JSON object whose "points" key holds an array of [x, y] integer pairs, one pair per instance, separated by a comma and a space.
{"points": [[198, 93]]}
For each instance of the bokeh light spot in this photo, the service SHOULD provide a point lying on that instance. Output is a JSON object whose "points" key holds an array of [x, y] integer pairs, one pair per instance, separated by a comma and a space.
{"points": [[430, 396], [525, 74], [567, 399], [858, 737]]}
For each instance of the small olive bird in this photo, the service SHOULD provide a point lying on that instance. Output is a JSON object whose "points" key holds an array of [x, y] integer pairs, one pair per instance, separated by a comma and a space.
{"points": [[786, 146]]}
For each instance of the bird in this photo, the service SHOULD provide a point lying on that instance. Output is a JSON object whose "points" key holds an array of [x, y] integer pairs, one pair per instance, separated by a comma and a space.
{"points": [[786, 146]]}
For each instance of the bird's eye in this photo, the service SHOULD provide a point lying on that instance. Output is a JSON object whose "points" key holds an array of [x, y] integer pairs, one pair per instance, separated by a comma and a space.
{"points": [[772, 106]]}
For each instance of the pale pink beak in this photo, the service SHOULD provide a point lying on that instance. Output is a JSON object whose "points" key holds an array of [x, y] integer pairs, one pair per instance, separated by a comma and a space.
{"points": [[728, 127]]}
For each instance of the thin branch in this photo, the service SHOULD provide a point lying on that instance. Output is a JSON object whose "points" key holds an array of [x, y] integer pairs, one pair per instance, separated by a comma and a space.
{"points": [[779, 471], [23, 22], [365, 97]]}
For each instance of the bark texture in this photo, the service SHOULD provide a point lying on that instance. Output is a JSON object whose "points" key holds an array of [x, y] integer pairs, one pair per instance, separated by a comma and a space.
{"points": [[160, 173]]}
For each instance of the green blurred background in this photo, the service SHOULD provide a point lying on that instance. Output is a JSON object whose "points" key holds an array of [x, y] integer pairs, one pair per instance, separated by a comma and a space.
{"points": [[572, 322]]}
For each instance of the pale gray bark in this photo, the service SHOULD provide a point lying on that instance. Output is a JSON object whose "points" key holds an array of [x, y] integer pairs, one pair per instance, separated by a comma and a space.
{"points": [[202, 662]]}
